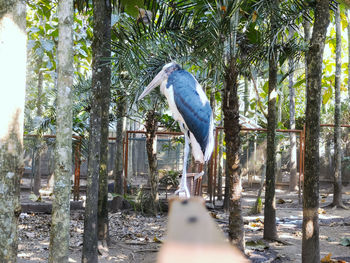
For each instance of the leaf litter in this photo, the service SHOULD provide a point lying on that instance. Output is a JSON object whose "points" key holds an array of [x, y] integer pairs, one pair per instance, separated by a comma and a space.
{"points": [[137, 238]]}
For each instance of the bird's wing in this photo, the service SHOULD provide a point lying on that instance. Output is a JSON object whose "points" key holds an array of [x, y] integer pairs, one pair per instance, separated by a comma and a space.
{"points": [[195, 109]]}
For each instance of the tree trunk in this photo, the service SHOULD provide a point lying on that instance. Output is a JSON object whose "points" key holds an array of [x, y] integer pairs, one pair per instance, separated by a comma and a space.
{"points": [[12, 75], [270, 231], [38, 141], [306, 25], [310, 241], [293, 179], [246, 95], [151, 146], [92, 186], [232, 137], [118, 163], [102, 14], [348, 28], [60, 224], [337, 190], [278, 140], [209, 171], [221, 164]]}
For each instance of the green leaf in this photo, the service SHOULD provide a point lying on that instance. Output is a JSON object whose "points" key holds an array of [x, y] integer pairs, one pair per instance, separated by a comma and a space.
{"points": [[82, 52], [345, 241], [217, 96], [346, 3], [299, 83], [343, 21], [332, 45], [327, 95], [48, 27], [253, 35], [130, 6], [55, 33], [266, 87]]}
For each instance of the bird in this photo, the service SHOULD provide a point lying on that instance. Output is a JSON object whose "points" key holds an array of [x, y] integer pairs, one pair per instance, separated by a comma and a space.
{"points": [[190, 107]]}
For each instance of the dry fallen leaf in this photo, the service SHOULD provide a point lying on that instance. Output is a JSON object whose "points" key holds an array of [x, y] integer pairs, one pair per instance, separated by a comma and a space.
{"points": [[327, 258], [280, 201], [321, 211], [157, 240], [213, 214]]}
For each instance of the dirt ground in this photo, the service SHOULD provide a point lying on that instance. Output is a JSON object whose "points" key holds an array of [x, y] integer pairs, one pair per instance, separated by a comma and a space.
{"points": [[137, 238]]}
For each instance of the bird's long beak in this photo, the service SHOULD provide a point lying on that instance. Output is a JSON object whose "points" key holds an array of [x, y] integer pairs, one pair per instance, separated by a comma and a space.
{"points": [[154, 83]]}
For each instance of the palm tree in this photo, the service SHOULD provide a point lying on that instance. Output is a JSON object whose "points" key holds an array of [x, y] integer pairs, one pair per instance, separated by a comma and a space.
{"points": [[232, 55], [293, 181], [348, 29], [212, 38], [59, 236], [275, 18], [310, 242], [337, 189], [96, 213], [270, 231]]}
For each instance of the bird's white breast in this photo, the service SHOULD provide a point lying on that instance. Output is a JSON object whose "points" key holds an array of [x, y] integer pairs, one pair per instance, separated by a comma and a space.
{"points": [[169, 94]]}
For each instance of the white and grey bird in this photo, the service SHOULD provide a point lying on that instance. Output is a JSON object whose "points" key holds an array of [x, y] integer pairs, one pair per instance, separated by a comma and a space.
{"points": [[190, 107]]}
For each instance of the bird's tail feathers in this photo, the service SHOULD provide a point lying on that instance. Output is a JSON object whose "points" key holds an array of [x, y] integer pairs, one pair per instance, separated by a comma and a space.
{"points": [[210, 146]]}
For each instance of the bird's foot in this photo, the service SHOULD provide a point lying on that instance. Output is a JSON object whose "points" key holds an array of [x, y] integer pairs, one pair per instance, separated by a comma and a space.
{"points": [[182, 192], [198, 175]]}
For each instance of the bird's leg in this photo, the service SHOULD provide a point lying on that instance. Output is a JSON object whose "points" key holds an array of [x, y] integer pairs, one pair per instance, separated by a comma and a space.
{"points": [[204, 168], [198, 175], [183, 183]]}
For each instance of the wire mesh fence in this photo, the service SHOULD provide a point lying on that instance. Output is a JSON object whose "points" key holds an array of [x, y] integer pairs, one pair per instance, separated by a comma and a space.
{"points": [[170, 157]]}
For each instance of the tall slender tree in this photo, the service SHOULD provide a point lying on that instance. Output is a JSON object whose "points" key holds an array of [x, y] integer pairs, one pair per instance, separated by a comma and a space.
{"points": [[103, 19], [120, 133], [90, 240], [337, 183], [293, 181], [151, 126], [348, 29], [38, 140], [232, 138], [310, 240], [230, 107], [13, 81], [270, 230], [59, 236]]}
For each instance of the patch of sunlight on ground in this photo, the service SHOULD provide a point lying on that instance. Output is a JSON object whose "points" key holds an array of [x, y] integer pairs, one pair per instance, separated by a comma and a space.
{"points": [[287, 236], [30, 257], [25, 255], [328, 216], [249, 200], [253, 217], [119, 258], [72, 260]]}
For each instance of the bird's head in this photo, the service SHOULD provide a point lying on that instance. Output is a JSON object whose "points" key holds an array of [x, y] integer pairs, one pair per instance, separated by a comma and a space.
{"points": [[161, 76]]}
